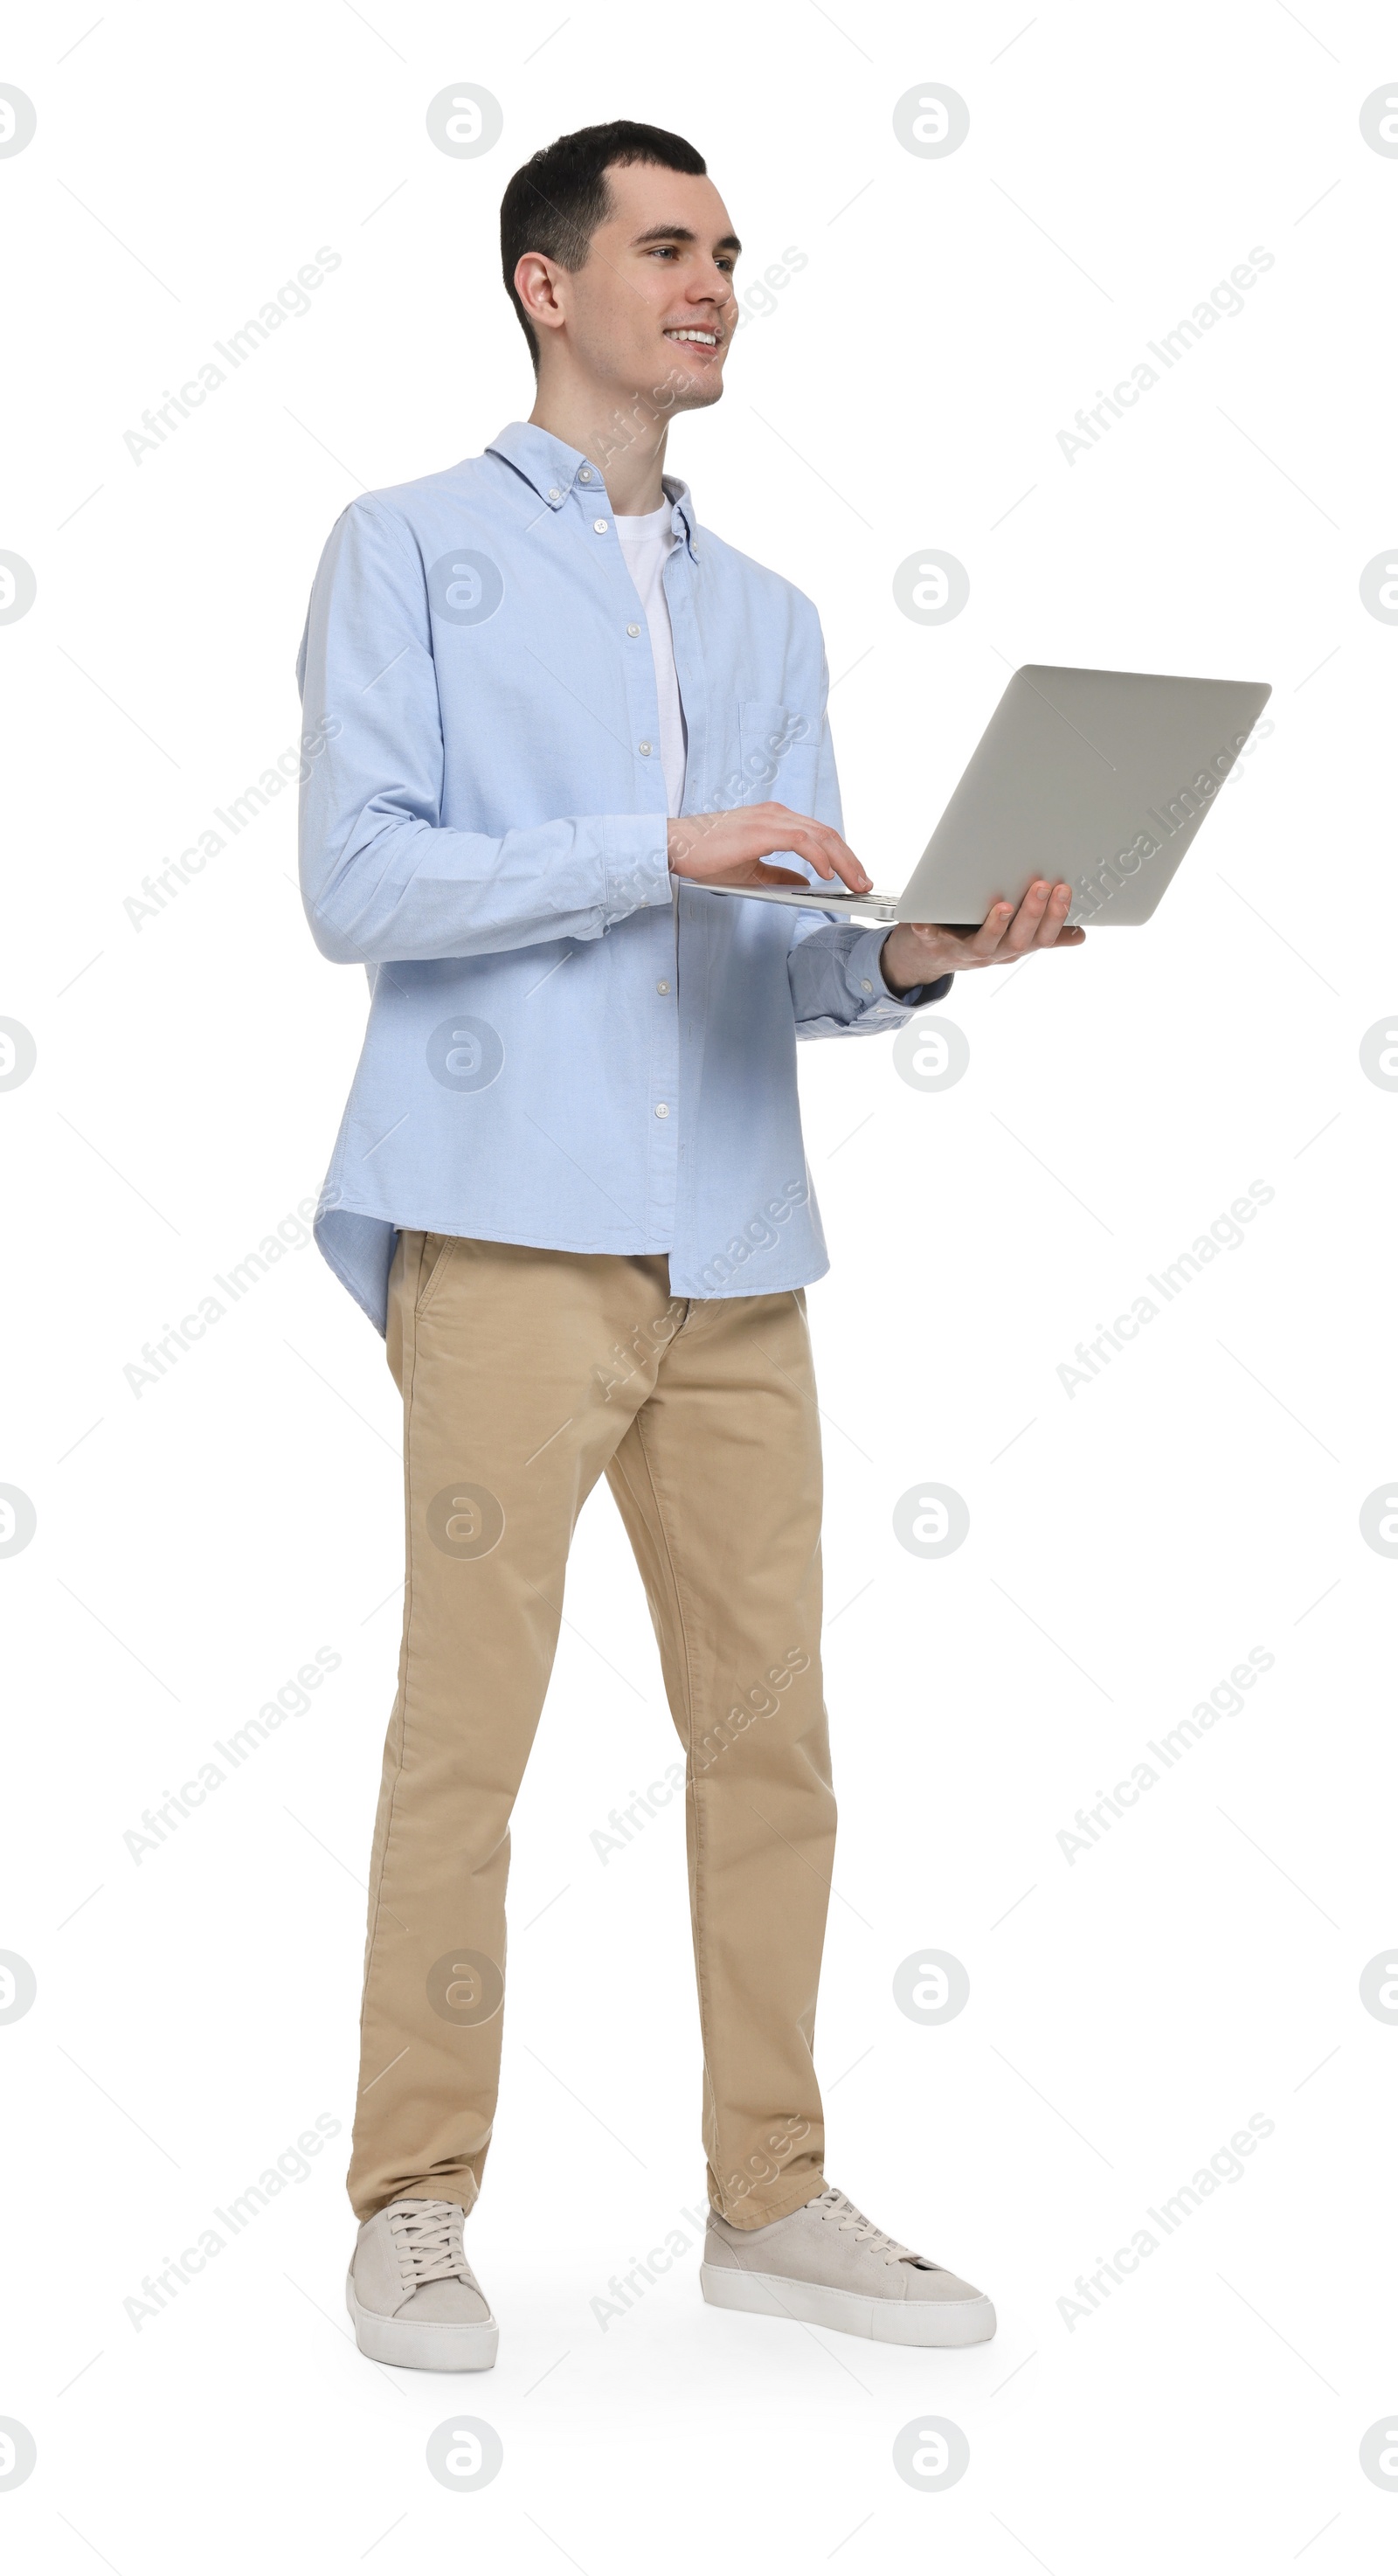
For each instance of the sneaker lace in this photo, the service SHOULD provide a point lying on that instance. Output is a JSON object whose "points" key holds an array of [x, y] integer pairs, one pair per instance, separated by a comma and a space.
{"points": [[427, 2234], [879, 2242]]}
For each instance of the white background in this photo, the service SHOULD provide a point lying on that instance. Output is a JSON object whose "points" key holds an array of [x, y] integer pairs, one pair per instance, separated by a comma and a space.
{"points": [[1128, 1545]]}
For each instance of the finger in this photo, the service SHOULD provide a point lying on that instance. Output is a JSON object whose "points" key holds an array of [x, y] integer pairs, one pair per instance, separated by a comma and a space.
{"points": [[1024, 928], [829, 855], [779, 876], [984, 943], [1055, 915], [979, 945]]}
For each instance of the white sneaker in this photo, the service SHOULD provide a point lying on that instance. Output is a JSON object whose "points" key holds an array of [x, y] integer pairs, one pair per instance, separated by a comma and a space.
{"points": [[828, 2265], [412, 2294]]}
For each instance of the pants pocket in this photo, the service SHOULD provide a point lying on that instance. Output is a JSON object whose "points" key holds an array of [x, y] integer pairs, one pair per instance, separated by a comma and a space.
{"points": [[437, 1252]]}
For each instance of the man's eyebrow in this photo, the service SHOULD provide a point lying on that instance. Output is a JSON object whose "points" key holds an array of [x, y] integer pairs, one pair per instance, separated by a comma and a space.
{"points": [[683, 233]]}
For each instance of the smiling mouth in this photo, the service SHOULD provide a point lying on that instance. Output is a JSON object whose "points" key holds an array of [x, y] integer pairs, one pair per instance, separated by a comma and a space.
{"points": [[694, 337]]}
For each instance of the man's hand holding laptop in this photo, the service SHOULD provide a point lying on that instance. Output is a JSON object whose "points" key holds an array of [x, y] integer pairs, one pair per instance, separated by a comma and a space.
{"points": [[917, 952], [733, 850]]}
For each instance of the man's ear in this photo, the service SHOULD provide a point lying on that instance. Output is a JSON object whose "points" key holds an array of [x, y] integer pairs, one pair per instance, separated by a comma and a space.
{"points": [[539, 286]]}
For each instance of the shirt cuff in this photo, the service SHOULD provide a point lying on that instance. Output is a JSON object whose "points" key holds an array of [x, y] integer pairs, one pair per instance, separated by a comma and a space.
{"points": [[636, 864], [878, 1007]]}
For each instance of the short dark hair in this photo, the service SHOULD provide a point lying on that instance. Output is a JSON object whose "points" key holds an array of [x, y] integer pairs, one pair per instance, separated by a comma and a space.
{"points": [[556, 202]]}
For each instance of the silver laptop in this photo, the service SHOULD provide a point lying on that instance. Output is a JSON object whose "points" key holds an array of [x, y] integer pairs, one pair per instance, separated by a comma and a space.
{"points": [[1101, 778]]}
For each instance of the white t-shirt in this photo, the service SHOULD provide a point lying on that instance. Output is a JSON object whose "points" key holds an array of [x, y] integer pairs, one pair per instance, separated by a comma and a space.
{"points": [[645, 543]]}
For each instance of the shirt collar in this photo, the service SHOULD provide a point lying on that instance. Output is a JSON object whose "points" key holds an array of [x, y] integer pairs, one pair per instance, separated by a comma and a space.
{"points": [[554, 470]]}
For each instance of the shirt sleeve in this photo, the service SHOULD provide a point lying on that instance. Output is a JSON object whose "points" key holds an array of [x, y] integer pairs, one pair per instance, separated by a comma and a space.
{"points": [[833, 965], [382, 877]]}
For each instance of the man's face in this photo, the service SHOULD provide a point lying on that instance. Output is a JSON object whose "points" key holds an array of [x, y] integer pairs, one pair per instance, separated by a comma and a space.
{"points": [[654, 305]]}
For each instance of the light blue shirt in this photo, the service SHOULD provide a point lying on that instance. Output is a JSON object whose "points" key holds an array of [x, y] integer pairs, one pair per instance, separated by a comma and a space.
{"points": [[566, 1045]]}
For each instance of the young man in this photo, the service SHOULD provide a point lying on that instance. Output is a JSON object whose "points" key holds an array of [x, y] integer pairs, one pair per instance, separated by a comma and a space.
{"points": [[550, 707]]}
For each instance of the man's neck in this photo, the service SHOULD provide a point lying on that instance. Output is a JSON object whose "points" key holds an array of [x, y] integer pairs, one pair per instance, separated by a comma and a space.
{"points": [[624, 439]]}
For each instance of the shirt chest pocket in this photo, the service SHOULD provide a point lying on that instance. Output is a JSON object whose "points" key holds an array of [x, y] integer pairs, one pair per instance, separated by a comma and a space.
{"points": [[780, 750]]}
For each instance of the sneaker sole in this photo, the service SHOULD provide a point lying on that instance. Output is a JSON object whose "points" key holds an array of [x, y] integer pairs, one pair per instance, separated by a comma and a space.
{"points": [[940, 2322], [421, 2347]]}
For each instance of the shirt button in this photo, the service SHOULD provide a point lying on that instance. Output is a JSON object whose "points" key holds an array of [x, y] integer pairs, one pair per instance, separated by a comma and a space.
{"points": [[601, 527], [554, 493], [866, 987], [644, 749], [633, 630], [662, 1109], [584, 474], [662, 988]]}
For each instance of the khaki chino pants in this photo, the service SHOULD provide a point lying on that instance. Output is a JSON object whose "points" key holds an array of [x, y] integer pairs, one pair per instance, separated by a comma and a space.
{"points": [[526, 1374]]}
